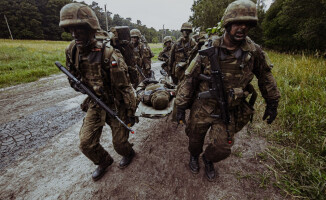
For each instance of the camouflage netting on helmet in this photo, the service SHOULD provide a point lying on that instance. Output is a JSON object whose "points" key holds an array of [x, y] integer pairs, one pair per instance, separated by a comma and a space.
{"points": [[240, 10], [167, 39], [77, 14], [135, 33], [186, 26], [160, 100]]}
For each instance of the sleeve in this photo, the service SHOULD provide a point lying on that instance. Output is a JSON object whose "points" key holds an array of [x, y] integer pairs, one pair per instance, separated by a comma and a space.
{"points": [[160, 55], [172, 58], [69, 63], [120, 81], [266, 81], [188, 85]]}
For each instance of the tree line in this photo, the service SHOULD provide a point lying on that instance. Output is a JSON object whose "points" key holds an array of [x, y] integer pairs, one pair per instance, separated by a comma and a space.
{"points": [[39, 19], [288, 25]]}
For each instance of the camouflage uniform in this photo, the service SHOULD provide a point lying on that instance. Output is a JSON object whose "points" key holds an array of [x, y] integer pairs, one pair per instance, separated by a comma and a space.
{"points": [[143, 54], [255, 62], [238, 68], [102, 69], [154, 94], [120, 39], [180, 53], [165, 54]]}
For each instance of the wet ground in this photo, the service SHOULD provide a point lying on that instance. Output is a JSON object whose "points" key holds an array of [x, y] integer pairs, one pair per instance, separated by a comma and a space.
{"points": [[40, 158]]}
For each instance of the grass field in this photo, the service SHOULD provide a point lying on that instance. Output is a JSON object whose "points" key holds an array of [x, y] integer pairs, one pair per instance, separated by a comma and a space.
{"points": [[23, 61], [298, 135]]}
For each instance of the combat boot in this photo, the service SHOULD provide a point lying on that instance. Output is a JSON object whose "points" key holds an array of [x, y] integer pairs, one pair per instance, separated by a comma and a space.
{"points": [[209, 169], [101, 169], [126, 160], [194, 164]]}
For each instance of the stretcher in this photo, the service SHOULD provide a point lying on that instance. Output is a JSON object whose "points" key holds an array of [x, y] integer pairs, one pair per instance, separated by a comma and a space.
{"points": [[149, 112]]}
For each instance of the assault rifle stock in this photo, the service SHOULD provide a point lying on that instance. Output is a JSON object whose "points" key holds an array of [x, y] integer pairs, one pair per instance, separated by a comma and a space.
{"points": [[217, 90], [92, 95]]}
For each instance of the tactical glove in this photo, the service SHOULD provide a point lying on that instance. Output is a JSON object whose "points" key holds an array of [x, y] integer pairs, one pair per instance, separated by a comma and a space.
{"points": [[131, 121], [181, 116], [271, 111], [76, 88]]}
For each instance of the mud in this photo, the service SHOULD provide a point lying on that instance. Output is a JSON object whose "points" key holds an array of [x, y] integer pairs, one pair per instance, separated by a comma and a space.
{"points": [[45, 163]]}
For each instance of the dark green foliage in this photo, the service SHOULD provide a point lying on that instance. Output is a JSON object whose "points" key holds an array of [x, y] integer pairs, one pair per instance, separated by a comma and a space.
{"points": [[292, 25], [31, 19], [207, 13]]}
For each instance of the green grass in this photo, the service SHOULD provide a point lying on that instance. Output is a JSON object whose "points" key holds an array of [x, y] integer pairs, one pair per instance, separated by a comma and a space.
{"points": [[23, 61], [299, 132], [156, 48], [298, 135]]}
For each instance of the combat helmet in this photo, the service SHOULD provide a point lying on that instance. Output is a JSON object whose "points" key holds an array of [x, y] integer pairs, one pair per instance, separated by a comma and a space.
{"points": [[160, 99], [77, 14], [167, 39], [186, 26], [135, 33], [240, 10]]}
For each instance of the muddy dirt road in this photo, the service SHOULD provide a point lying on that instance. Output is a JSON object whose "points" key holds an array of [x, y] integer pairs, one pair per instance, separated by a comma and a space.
{"points": [[40, 159]]}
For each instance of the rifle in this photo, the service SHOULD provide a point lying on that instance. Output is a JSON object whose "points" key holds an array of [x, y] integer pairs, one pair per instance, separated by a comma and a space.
{"points": [[217, 91], [140, 71], [92, 95]]}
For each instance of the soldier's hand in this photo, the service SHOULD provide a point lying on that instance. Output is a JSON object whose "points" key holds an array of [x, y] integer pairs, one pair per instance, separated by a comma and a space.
{"points": [[271, 111], [77, 89], [131, 121], [181, 116]]}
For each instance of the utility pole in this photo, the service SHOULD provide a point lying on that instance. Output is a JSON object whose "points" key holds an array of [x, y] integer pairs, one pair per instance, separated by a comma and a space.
{"points": [[106, 19], [163, 32], [8, 27]]}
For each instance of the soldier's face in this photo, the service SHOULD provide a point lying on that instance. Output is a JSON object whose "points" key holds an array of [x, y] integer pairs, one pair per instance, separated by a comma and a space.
{"points": [[186, 33], [239, 31], [134, 40], [81, 35], [168, 44]]}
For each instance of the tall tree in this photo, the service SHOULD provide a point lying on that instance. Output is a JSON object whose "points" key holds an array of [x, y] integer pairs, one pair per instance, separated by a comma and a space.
{"points": [[295, 25], [23, 17], [207, 13]]}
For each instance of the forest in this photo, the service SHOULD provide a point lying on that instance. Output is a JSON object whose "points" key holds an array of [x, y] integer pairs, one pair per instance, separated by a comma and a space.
{"points": [[39, 20], [287, 26]]}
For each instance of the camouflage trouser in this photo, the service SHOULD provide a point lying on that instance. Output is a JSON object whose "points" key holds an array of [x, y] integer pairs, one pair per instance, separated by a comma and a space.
{"points": [[199, 123], [91, 131]]}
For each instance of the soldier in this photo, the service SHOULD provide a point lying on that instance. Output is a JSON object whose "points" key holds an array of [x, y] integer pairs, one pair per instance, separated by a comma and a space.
{"points": [[165, 53], [180, 53], [239, 59], [154, 93], [102, 69], [143, 53]]}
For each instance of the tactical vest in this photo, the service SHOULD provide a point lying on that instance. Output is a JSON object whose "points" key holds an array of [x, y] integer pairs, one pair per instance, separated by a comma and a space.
{"points": [[138, 53], [93, 68], [182, 50], [236, 67]]}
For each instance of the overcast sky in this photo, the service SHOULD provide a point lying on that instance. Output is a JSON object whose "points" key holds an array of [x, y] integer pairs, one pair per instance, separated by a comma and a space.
{"points": [[152, 13]]}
